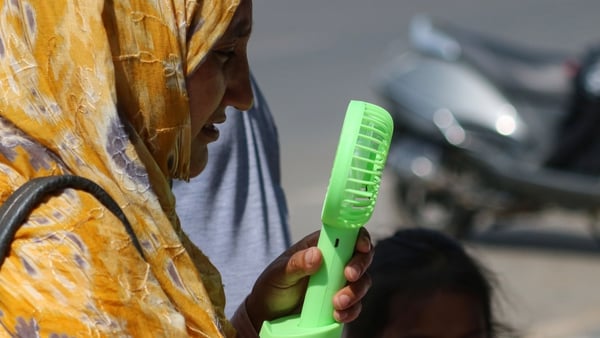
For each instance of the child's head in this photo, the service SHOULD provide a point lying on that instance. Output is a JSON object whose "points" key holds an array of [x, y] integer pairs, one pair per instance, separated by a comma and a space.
{"points": [[425, 285]]}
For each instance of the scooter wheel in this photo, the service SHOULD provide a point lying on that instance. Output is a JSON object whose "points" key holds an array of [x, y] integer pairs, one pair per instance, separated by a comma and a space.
{"points": [[423, 207]]}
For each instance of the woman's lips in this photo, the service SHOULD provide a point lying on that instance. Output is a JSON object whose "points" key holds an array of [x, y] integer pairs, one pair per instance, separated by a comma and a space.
{"points": [[210, 133]]}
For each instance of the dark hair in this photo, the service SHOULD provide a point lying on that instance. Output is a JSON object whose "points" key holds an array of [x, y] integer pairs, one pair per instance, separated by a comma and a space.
{"points": [[414, 263]]}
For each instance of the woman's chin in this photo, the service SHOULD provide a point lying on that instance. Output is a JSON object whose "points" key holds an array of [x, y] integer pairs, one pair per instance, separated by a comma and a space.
{"points": [[198, 162]]}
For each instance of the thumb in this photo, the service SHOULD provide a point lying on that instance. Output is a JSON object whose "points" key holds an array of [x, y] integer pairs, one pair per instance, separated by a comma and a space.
{"points": [[303, 263]]}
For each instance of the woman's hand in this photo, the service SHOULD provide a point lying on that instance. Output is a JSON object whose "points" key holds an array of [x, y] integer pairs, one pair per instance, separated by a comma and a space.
{"points": [[280, 289]]}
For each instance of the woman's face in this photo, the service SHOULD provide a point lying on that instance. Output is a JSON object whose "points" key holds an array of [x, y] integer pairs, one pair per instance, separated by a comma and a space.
{"points": [[221, 80], [441, 315]]}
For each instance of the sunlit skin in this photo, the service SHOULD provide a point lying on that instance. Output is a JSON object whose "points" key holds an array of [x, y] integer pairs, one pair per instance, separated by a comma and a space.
{"points": [[221, 80], [440, 315]]}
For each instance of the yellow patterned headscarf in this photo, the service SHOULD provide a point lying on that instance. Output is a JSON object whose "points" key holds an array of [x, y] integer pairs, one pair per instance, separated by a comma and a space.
{"points": [[97, 88]]}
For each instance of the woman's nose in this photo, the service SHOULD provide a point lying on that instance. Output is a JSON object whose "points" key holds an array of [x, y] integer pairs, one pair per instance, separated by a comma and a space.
{"points": [[239, 90]]}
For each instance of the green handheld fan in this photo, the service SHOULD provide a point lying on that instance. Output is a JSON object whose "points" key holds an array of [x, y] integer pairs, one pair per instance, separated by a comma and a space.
{"points": [[349, 202]]}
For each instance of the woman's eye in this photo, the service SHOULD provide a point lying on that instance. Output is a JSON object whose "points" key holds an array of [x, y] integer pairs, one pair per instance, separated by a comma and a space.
{"points": [[225, 54]]}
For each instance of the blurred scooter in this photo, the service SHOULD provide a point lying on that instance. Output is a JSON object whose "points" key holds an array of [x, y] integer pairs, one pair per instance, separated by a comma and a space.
{"points": [[476, 119]]}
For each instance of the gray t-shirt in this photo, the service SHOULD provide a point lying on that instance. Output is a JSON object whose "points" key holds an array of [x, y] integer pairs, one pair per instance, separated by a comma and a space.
{"points": [[235, 211]]}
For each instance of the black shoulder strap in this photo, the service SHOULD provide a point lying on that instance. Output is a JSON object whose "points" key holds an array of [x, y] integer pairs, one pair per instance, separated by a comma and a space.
{"points": [[19, 205]]}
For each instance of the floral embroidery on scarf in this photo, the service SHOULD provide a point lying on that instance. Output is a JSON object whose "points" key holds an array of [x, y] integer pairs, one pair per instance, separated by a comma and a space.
{"points": [[11, 139], [116, 146], [27, 329]]}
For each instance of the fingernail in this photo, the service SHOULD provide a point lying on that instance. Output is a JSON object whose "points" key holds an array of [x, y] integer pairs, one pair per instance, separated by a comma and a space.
{"points": [[308, 256], [354, 273], [367, 243], [340, 316], [343, 301]]}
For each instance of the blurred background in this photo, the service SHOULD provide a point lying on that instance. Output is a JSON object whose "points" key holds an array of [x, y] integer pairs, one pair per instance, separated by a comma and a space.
{"points": [[312, 57]]}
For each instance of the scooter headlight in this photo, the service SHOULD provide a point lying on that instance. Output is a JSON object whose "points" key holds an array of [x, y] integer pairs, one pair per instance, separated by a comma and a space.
{"points": [[506, 123]]}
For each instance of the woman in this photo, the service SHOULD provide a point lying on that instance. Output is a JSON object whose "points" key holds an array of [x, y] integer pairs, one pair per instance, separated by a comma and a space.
{"points": [[127, 94]]}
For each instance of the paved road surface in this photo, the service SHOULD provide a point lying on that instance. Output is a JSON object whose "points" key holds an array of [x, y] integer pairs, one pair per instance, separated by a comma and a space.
{"points": [[312, 57]]}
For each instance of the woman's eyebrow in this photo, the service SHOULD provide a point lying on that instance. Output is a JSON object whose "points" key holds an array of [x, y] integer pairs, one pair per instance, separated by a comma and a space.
{"points": [[245, 31], [237, 32]]}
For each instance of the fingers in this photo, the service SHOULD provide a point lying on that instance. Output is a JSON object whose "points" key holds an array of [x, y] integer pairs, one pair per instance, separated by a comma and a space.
{"points": [[297, 262], [303, 263], [346, 302], [304, 259], [363, 243], [362, 257], [348, 315]]}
